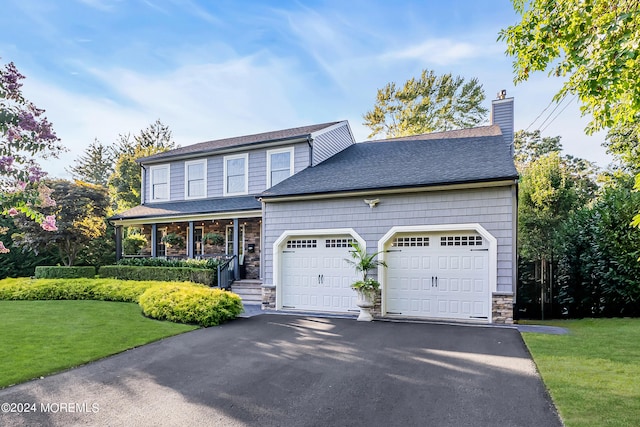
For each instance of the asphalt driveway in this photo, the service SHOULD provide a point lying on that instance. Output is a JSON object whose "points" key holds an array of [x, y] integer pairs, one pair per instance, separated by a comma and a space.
{"points": [[275, 370]]}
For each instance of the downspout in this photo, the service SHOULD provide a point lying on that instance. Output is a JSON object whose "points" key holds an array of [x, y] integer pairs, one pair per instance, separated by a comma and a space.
{"points": [[310, 143], [143, 178]]}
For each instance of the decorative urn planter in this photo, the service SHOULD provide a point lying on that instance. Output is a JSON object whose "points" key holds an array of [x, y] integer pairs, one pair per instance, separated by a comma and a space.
{"points": [[365, 301], [367, 288]]}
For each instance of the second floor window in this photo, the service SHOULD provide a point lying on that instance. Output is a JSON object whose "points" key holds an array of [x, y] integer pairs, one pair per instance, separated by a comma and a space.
{"points": [[235, 174], [160, 182], [195, 179], [279, 165]]}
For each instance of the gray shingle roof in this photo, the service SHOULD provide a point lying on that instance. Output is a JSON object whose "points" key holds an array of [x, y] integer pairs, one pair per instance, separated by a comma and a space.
{"points": [[222, 144], [190, 207], [472, 155]]}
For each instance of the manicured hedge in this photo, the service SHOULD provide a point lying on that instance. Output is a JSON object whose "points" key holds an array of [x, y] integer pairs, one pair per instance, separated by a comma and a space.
{"points": [[190, 304], [211, 263], [174, 301], [205, 276], [60, 272]]}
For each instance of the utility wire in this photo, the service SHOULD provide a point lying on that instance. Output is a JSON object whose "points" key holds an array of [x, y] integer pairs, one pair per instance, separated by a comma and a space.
{"points": [[552, 111], [539, 115], [557, 115]]}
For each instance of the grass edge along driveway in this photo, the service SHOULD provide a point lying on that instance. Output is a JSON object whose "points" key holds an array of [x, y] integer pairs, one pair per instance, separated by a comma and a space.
{"points": [[43, 337], [591, 373]]}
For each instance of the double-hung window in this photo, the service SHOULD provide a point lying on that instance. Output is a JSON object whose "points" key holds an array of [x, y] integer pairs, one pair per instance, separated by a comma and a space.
{"points": [[279, 165], [236, 175], [195, 179], [159, 182]]}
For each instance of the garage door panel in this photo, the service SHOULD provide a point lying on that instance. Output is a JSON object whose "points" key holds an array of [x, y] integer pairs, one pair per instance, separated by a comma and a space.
{"points": [[480, 262], [316, 276], [452, 274]]}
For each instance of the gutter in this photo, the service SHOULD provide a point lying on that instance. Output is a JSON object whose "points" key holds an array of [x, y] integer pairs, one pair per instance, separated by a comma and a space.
{"points": [[498, 182]]}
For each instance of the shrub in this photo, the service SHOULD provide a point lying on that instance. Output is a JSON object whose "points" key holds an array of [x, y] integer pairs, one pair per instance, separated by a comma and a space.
{"points": [[211, 263], [133, 243], [207, 277], [58, 272], [190, 304]]}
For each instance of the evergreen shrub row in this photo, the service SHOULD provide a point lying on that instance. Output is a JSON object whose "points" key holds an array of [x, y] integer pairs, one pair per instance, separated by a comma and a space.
{"points": [[211, 263], [63, 272], [204, 276]]}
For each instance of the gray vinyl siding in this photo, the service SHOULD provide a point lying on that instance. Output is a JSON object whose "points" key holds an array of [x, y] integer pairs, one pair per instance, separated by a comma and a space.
{"points": [[502, 115], [176, 181], [215, 179], [215, 173], [492, 208], [329, 143], [301, 157]]}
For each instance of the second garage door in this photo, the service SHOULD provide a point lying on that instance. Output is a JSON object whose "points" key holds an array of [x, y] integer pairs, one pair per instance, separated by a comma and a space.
{"points": [[315, 275], [442, 275]]}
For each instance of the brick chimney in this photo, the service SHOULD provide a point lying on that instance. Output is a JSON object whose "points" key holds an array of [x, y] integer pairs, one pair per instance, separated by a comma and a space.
{"points": [[502, 115]]}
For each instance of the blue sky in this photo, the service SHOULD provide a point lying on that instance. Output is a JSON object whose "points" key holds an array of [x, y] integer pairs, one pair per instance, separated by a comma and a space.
{"points": [[215, 69]]}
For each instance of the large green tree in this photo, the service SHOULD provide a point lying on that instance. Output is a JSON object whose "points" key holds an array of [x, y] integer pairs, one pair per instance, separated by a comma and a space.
{"points": [[552, 187], [95, 165], [593, 44], [429, 103], [81, 209], [598, 269], [125, 182]]}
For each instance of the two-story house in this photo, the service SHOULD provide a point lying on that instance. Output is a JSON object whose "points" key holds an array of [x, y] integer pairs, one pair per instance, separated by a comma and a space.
{"points": [[211, 187], [441, 208]]}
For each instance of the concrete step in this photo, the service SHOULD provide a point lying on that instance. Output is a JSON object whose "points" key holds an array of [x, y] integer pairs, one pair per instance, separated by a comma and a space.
{"points": [[249, 290]]}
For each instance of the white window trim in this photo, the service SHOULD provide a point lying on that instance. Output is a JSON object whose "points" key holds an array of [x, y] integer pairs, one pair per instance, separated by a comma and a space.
{"points": [[289, 150], [246, 174], [201, 228], [186, 178], [152, 195], [227, 241]]}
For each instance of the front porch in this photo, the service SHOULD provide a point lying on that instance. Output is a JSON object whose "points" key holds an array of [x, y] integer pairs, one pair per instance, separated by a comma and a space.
{"points": [[237, 237]]}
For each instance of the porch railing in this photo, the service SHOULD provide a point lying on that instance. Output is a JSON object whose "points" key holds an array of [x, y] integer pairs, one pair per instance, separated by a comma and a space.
{"points": [[225, 273]]}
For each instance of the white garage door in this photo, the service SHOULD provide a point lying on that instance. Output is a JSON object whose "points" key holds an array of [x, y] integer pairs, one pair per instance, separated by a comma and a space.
{"points": [[444, 275], [315, 275]]}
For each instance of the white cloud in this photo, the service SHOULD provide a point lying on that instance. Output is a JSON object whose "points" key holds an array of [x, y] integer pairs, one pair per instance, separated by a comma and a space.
{"points": [[442, 52], [103, 5], [198, 102]]}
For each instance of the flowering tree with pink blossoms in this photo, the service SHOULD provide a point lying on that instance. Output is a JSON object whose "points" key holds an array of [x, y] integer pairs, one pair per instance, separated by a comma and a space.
{"points": [[25, 136]]}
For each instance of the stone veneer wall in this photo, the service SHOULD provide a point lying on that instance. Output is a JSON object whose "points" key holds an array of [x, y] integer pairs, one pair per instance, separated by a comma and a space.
{"points": [[502, 308], [268, 297]]}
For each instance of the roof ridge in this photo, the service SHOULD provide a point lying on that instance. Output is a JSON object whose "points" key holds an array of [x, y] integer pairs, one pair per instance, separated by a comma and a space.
{"points": [[237, 141], [474, 132]]}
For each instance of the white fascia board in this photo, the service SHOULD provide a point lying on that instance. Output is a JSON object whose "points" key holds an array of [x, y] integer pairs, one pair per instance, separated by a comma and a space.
{"points": [[317, 133], [186, 218], [404, 190]]}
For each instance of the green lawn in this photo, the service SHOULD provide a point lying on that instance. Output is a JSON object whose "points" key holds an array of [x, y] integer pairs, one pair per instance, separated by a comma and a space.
{"points": [[41, 337], [593, 373]]}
